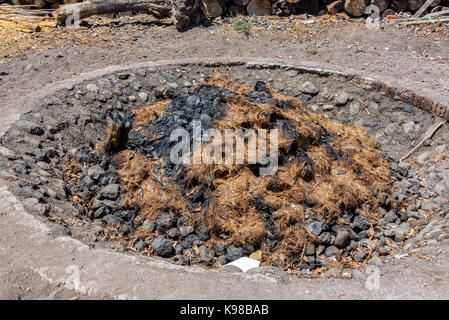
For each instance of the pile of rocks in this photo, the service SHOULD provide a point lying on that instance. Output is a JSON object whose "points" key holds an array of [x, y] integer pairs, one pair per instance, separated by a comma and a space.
{"points": [[88, 199], [171, 234]]}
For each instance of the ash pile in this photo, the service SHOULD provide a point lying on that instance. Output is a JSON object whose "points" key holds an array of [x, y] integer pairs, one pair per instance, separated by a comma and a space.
{"points": [[319, 208]]}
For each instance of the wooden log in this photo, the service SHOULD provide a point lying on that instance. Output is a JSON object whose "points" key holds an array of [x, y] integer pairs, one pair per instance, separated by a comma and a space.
{"points": [[37, 3], [158, 8], [399, 5], [388, 12], [306, 6], [241, 2], [355, 8], [212, 8], [414, 5], [336, 7], [184, 13], [287, 8], [237, 10], [282, 8], [381, 4], [259, 8]]}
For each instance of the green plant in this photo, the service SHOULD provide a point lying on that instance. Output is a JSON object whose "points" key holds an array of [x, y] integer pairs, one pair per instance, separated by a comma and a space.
{"points": [[242, 25]]}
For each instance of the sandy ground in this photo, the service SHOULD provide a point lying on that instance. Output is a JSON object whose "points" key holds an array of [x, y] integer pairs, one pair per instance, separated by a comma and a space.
{"points": [[417, 58]]}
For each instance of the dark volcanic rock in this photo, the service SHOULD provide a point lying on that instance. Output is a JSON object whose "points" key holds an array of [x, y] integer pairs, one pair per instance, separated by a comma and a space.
{"points": [[162, 247], [30, 127], [360, 223], [110, 192], [233, 253], [342, 239]]}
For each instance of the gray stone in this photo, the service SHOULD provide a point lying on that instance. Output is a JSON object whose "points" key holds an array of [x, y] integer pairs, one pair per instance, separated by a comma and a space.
{"points": [[327, 107], [326, 238], [207, 255], [184, 231], [192, 100], [441, 187], [30, 127], [390, 233], [172, 85], [354, 108], [315, 227], [423, 157], [390, 129], [341, 99], [173, 233], [414, 214], [342, 239], [314, 107], [359, 256], [332, 251], [162, 247], [399, 235], [123, 75], [409, 127], [111, 220], [95, 172], [141, 245], [404, 227], [33, 205], [408, 108], [390, 217], [143, 96], [136, 85], [360, 223], [384, 250], [418, 118], [4, 152], [367, 243], [110, 191], [403, 168], [233, 253], [101, 212], [92, 87], [292, 73], [148, 225], [203, 232], [164, 222], [308, 88], [190, 241]]}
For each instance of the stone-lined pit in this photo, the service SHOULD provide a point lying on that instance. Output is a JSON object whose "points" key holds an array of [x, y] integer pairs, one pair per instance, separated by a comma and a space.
{"points": [[59, 171]]}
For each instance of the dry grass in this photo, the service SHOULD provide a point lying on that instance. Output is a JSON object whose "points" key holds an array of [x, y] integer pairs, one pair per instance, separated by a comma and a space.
{"points": [[335, 185]]}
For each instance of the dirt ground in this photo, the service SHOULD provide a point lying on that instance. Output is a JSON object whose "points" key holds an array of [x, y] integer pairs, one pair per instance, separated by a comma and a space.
{"points": [[418, 57]]}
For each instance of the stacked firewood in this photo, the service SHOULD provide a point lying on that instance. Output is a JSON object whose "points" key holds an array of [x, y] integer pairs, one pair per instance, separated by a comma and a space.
{"points": [[186, 12], [41, 4]]}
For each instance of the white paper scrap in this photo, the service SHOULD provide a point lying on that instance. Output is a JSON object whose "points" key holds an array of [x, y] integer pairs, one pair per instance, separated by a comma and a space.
{"points": [[244, 263]]}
